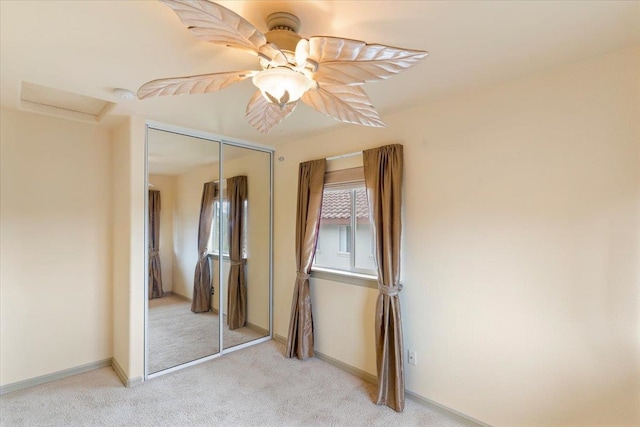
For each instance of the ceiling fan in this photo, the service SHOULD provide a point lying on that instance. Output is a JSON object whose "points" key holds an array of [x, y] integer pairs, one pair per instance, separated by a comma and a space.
{"points": [[326, 73]]}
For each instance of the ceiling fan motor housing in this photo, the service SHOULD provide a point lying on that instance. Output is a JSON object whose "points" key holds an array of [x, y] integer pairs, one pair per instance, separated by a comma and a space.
{"points": [[283, 32], [326, 73]]}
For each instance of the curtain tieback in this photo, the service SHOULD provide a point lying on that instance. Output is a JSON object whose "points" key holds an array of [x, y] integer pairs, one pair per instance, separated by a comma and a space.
{"points": [[153, 253], [389, 290], [241, 262], [302, 276], [204, 255]]}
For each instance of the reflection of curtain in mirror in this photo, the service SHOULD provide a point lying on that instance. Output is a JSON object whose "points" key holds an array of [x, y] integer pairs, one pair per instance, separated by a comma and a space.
{"points": [[237, 286], [155, 275], [202, 278]]}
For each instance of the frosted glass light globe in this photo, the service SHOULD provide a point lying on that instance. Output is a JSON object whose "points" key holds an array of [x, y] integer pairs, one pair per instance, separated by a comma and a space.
{"points": [[281, 85]]}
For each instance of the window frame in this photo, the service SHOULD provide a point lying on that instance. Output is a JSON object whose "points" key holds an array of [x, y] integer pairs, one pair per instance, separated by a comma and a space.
{"points": [[214, 239], [363, 277]]}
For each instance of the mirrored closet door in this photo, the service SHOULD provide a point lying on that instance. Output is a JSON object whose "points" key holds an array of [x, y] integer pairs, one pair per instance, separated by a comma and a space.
{"points": [[245, 228], [209, 240]]}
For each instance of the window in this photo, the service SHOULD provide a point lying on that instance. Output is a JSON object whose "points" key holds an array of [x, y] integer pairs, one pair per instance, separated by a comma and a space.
{"points": [[345, 240], [221, 213]]}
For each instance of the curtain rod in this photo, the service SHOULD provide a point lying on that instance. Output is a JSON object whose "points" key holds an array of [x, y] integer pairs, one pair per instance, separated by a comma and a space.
{"points": [[344, 156]]}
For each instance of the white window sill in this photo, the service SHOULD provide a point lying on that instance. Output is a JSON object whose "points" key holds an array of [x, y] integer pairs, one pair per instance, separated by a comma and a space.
{"points": [[348, 277]]}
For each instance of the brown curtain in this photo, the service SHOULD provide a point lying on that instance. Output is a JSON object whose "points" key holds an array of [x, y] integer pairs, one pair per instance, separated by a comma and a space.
{"points": [[237, 286], [383, 179], [202, 278], [155, 274], [310, 183]]}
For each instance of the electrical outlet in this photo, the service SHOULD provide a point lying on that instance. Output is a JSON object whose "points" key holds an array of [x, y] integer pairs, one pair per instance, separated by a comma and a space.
{"points": [[413, 358]]}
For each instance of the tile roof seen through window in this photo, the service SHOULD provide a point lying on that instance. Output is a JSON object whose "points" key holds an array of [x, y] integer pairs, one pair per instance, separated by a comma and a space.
{"points": [[336, 204]]}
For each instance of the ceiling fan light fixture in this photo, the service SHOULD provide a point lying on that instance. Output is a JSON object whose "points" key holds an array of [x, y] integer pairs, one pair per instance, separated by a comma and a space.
{"points": [[324, 72], [282, 85]]}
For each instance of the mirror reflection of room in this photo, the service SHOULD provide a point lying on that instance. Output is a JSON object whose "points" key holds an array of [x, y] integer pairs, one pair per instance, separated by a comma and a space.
{"points": [[178, 167], [246, 217], [194, 220]]}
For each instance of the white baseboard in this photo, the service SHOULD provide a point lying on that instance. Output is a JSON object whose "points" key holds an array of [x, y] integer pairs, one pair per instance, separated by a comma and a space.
{"points": [[347, 368], [435, 406], [19, 385], [459, 416], [262, 331], [280, 339], [119, 372], [185, 298], [337, 363], [179, 296], [131, 382], [127, 382]]}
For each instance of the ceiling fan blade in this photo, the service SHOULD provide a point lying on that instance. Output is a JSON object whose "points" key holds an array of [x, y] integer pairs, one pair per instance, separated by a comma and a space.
{"points": [[264, 115], [217, 24], [203, 83], [348, 104], [272, 53], [345, 61]]}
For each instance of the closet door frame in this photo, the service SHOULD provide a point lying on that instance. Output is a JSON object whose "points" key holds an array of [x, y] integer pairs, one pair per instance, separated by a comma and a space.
{"points": [[222, 142]]}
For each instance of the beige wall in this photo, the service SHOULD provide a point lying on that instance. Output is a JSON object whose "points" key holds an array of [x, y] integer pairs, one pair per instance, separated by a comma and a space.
{"points": [[521, 248], [167, 187], [138, 269], [121, 218], [129, 268], [55, 275], [187, 216]]}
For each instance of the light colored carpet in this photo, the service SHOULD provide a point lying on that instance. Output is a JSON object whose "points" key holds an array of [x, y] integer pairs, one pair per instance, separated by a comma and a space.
{"points": [[176, 335], [255, 386]]}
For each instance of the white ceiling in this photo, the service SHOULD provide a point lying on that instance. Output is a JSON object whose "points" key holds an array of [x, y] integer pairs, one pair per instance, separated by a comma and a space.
{"points": [[173, 154], [91, 47]]}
